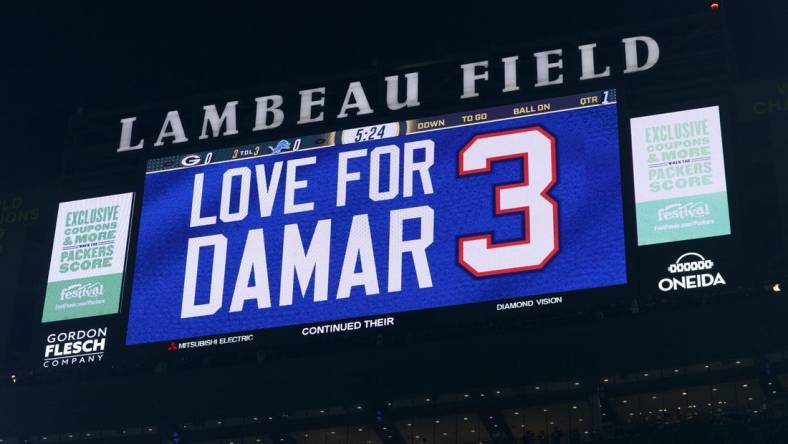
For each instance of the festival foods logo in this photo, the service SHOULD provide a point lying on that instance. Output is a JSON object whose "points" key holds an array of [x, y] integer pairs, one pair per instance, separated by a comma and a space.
{"points": [[79, 291], [691, 270], [88, 258], [679, 173]]}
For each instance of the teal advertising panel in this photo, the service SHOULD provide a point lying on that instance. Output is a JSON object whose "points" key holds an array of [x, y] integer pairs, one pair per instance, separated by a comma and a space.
{"points": [[88, 258], [679, 176]]}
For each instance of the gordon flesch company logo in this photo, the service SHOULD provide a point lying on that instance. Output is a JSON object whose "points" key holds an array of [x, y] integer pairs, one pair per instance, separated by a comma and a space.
{"points": [[79, 291], [76, 347], [690, 210], [691, 270]]}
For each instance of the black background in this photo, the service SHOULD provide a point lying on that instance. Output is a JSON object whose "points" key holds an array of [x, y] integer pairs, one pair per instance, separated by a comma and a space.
{"points": [[67, 62]]}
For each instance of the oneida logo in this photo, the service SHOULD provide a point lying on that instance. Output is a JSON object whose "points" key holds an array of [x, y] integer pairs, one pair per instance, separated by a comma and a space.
{"points": [[79, 291], [683, 211], [696, 272]]}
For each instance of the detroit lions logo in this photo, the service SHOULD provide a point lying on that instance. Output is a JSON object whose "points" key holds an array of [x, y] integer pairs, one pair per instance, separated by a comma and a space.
{"points": [[281, 146]]}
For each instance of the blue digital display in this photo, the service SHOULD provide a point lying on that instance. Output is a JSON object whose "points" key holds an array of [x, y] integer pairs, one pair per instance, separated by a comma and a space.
{"points": [[521, 206]]}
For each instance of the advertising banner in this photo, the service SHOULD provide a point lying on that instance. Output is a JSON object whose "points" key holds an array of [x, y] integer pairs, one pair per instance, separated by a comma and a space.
{"points": [[88, 258], [489, 205], [679, 175]]}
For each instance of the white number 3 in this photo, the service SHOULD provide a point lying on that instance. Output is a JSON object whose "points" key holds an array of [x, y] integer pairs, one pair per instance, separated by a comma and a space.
{"points": [[536, 147]]}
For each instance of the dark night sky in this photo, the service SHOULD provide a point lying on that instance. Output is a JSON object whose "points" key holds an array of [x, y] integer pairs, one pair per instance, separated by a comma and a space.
{"points": [[105, 56]]}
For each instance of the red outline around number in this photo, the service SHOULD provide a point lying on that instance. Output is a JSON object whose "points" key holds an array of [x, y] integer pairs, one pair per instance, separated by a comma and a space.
{"points": [[525, 210]]}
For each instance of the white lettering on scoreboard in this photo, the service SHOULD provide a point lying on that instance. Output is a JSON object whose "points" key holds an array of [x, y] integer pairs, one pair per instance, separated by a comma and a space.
{"points": [[304, 262]]}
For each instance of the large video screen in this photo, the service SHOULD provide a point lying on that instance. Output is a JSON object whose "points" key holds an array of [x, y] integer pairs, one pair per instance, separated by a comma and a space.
{"points": [[491, 205]]}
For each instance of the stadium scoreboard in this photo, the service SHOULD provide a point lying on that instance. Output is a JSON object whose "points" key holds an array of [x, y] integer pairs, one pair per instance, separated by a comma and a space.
{"points": [[382, 219], [515, 209], [507, 209]]}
